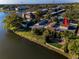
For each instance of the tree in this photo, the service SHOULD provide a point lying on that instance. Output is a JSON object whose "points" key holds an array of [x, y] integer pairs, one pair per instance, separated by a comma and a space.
{"points": [[65, 46], [47, 35], [77, 29], [74, 48], [38, 13], [38, 31], [12, 22], [47, 16]]}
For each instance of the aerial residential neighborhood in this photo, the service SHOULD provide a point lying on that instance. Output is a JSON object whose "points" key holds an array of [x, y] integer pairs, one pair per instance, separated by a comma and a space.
{"points": [[39, 31], [53, 26]]}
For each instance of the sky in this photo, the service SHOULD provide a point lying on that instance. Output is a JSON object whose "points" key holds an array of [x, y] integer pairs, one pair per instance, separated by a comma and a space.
{"points": [[35, 1]]}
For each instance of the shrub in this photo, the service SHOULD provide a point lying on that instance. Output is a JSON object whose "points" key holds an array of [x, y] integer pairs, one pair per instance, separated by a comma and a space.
{"points": [[52, 36], [73, 46], [38, 31]]}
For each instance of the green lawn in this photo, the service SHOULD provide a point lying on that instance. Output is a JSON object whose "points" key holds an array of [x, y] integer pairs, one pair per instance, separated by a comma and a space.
{"points": [[56, 45], [29, 35]]}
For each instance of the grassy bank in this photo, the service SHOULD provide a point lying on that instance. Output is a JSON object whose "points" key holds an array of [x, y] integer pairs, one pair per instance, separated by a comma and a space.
{"points": [[40, 40], [29, 35]]}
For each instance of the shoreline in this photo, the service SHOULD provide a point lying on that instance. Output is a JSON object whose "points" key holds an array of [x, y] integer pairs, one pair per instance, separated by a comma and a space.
{"points": [[46, 45]]}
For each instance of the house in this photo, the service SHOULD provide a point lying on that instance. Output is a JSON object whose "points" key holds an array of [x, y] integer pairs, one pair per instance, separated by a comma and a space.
{"points": [[16, 9], [53, 13], [61, 26], [40, 24], [64, 26], [73, 21], [28, 15], [21, 8], [72, 27], [57, 27], [27, 24], [72, 24], [56, 9], [44, 11], [58, 12], [61, 11]]}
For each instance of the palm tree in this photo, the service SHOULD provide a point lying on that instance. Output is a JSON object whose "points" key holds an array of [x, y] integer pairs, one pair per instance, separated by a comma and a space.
{"points": [[38, 14], [77, 29], [47, 16]]}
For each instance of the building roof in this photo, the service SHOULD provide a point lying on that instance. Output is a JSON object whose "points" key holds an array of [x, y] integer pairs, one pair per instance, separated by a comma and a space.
{"points": [[44, 9], [41, 24]]}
